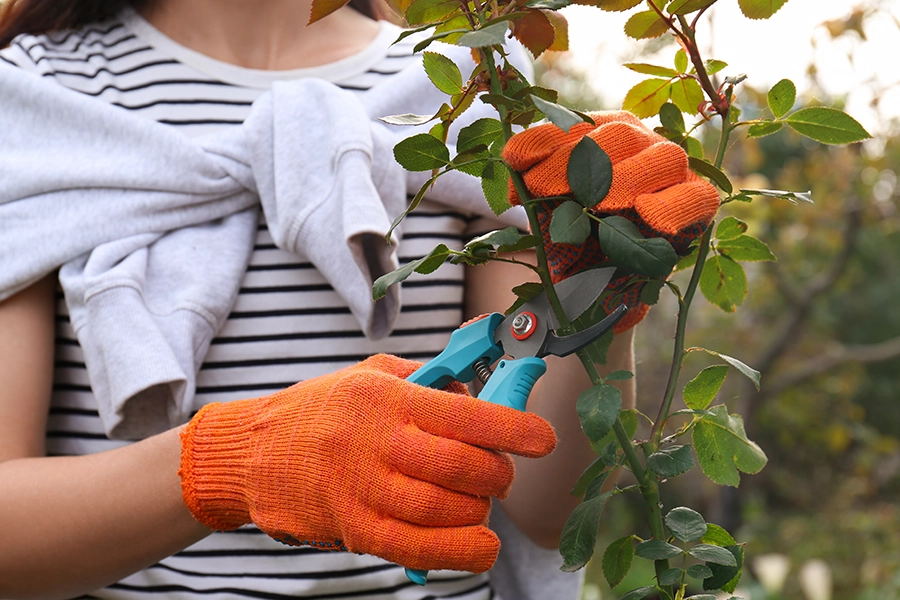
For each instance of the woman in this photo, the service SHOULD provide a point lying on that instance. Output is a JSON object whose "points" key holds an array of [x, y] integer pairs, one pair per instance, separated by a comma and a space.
{"points": [[84, 514]]}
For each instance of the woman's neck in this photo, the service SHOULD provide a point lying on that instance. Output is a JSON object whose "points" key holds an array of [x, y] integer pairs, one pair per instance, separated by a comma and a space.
{"points": [[267, 34]]}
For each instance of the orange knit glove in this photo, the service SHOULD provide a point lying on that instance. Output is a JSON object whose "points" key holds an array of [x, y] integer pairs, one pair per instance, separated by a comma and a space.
{"points": [[652, 187], [361, 460]]}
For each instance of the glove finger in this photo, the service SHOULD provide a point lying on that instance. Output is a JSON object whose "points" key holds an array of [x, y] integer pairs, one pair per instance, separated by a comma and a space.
{"points": [[473, 548], [677, 209], [423, 503], [614, 116], [659, 166], [451, 464], [621, 140], [537, 143], [388, 363], [479, 423]]}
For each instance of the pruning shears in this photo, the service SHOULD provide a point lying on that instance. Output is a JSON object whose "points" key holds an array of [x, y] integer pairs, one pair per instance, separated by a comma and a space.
{"points": [[526, 336]]}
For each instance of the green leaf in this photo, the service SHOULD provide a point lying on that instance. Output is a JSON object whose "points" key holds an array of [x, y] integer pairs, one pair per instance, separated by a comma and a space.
{"points": [[557, 114], [713, 554], [726, 577], [491, 35], [730, 228], [484, 131], [670, 576], [650, 291], [746, 248], [671, 461], [657, 550], [752, 374], [591, 474], [471, 162], [713, 66], [717, 536], [687, 261], [620, 375], [760, 9], [671, 118], [430, 11], [569, 224], [442, 72], [609, 454], [764, 128], [686, 524], [681, 60], [699, 571], [792, 197], [702, 597], [709, 170], [827, 125], [623, 244], [693, 147], [683, 7], [781, 97], [548, 4], [723, 448], [617, 560], [687, 95], [638, 593], [406, 119], [495, 182], [446, 35], [421, 152], [700, 391], [723, 282], [589, 172], [524, 293], [579, 534], [504, 240], [629, 421], [647, 69], [426, 264], [645, 25], [598, 408], [647, 97]]}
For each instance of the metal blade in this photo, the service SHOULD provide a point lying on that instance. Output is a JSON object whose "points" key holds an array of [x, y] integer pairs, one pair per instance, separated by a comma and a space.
{"points": [[578, 293], [563, 346]]}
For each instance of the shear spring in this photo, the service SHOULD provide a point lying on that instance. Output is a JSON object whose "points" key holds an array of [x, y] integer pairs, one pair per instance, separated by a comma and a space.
{"points": [[482, 370]]}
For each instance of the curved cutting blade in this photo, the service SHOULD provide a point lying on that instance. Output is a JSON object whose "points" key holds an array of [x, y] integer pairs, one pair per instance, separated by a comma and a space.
{"points": [[576, 294]]}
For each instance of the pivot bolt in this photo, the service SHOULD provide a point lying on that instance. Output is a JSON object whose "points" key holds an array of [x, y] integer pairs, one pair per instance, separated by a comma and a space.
{"points": [[523, 325]]}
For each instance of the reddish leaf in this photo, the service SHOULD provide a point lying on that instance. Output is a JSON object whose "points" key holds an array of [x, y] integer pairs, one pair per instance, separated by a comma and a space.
{"points": [[323, 8], [561, 40], [535, 31]]}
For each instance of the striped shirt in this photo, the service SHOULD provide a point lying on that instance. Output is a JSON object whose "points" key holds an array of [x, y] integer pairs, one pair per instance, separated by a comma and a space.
{"points": [[288, 324]]}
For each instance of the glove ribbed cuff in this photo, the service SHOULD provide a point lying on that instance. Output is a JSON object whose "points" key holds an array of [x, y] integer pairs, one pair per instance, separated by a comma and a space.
{"points": [[214, 450]]}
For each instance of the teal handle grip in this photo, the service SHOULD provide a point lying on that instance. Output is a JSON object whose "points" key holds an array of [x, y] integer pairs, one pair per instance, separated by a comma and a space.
{"points": [[510, 385], [512, 381], [456, 361]]}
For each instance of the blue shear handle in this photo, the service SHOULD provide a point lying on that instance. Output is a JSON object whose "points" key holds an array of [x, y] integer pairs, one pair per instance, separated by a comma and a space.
{"points": [[510, 385]]}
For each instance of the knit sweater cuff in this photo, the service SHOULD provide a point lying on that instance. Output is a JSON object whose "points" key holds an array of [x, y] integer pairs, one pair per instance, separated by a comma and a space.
{"points": [[213, 472]]}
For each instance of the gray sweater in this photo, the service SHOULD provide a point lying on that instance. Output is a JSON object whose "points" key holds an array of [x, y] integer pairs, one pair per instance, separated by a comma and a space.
{"points": [[152, 230]]}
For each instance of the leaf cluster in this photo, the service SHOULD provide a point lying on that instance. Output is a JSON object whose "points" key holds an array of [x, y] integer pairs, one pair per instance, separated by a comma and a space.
{"points": [[707, 553]]}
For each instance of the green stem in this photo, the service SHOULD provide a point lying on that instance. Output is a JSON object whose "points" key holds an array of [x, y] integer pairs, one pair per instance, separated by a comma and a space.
{"points": [[631, 456], [684, 304], [646, 481]]}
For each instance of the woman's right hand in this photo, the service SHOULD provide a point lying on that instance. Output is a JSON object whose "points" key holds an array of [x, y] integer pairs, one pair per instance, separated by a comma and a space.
{"points": [[362, 460]]}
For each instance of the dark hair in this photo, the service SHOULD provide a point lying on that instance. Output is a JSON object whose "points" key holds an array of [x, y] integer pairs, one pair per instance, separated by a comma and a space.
{"points": [[41, 16]]}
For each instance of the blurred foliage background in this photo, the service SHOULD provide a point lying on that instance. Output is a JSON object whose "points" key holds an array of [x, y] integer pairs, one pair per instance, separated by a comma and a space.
{"points": [[822, 520]]}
